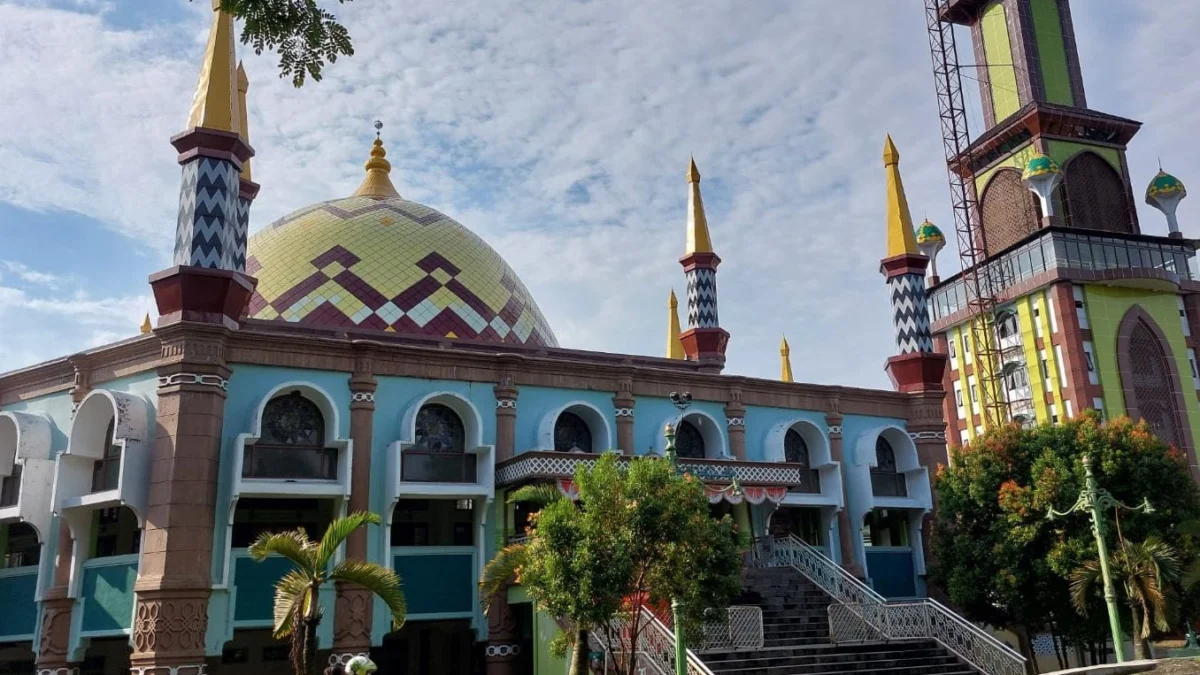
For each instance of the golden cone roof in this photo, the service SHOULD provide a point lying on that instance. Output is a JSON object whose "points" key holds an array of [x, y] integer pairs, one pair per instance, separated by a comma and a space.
{"points": [[243, 86], [900, 237], [698, 239], [674, 345], [376, 261], [215, 103], [785, 361]]}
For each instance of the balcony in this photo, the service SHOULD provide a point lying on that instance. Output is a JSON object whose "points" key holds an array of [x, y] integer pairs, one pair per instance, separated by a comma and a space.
{"points": [[106, 472], [424, 466], [10, 487], [268, 462], [888, 484], [810, 483]]}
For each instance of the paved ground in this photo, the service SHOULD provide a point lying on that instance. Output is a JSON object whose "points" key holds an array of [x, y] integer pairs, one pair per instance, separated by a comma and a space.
{"points": [[1178, 667]]}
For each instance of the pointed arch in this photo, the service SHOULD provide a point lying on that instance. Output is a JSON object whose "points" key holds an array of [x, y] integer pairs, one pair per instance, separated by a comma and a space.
{"points": [[1010, 211], [1150, 378], [1095, 196]]}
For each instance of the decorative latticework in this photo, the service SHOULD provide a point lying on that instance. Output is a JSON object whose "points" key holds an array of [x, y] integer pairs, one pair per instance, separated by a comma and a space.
{"points": [[740, 627], [859, 614], [795, 450], [292, 419], [1152, 391], [1096, 198], [1010, 212], [571, 433], [689, 443], [654, 648], [555, 465], [439, 429]]}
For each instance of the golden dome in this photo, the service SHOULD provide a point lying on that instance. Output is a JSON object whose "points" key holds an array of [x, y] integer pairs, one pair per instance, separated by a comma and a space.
{"points": [[378, 261]]}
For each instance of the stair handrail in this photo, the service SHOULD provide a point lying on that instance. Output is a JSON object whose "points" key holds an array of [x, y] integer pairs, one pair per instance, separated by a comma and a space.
{"points": [[655, 644], [741, 628], [924, 618]]}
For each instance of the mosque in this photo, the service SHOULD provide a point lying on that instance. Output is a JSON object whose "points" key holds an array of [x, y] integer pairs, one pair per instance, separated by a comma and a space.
{"points": [[371, 353]]}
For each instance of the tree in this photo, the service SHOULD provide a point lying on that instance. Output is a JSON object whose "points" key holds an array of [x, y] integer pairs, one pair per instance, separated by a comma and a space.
{"points": [[297, 605], [1144, 571], [1001, 561], [639, 536], [303, 34]]}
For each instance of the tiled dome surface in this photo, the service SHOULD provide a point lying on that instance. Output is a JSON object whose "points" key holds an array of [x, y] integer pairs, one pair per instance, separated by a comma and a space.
{"points": [[393, 265]]}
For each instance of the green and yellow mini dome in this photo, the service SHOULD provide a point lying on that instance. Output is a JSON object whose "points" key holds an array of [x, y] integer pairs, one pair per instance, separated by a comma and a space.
{"points": [[929, 233], [377, 261], [1164, 185], [1040, 165]]}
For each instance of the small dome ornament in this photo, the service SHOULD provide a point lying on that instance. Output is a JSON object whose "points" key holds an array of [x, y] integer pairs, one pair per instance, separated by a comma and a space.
{"points": [[1041, 177], [930, 241], [1164, 193]]}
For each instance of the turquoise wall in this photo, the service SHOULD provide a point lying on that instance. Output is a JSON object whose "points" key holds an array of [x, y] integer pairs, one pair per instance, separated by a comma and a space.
{"points": [[255, 584], [17, 590], [537, 402], [650, 414], [442, 583], [759, 421], [107, 597], [853, 427]]}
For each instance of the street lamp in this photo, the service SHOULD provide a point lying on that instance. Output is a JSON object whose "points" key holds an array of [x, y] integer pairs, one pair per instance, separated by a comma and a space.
{"points": [[1094, 501]]}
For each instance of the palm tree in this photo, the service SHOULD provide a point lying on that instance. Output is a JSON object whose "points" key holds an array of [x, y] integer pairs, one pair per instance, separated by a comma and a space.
{"points": [[1144, 571], [297, 606], [505, 568]]}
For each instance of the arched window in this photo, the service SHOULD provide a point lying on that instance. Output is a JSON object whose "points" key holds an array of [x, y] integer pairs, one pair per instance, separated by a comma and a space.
{"points": [[795, 450], [292, 442], [689, 442], [1149, 372], [22, 548], [886, 481], [440, 429], [1095, 196], [106, 472], [1010, 211], [571, 433]]}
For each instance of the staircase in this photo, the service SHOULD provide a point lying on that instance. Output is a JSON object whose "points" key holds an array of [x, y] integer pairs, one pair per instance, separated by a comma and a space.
{"points": [[797, 640]]}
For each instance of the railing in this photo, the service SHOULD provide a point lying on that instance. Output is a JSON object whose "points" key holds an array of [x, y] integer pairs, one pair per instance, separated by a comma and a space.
{"points": [[106, 472], [888, 484], [859, 614], [740, 628], [290, 462], [421, 466], [810, 482], [655, 648], [10, 487]]}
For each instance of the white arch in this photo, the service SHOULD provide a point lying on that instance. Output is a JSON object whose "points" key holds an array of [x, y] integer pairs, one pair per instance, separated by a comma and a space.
{"points": [[597, 422], [310, 391], [467, 412], [818, 443], [25, 440], [91, 420], [712, 431], [902, 444]]}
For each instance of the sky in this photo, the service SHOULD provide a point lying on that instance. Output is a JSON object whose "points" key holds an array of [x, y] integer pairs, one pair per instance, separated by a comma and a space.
{"points": [[560, 133]]}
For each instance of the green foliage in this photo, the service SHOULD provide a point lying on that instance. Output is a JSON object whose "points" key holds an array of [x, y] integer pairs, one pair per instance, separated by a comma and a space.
{"points": [[297, 609], [1001, 560], [1142, 572], [303, 34], [641, 533]]}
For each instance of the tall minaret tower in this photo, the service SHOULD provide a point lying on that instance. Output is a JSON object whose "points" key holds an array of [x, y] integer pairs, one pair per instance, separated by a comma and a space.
{"points": [[915, 367], [704, 340], [247, 188], [208, 283]]}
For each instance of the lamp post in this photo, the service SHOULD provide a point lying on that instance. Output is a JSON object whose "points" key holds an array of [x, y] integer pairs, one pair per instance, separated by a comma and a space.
{"points": [[1094, 501]]}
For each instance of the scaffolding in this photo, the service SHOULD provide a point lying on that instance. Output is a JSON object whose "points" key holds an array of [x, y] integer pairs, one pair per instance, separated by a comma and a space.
{"points": [[983, 282]]}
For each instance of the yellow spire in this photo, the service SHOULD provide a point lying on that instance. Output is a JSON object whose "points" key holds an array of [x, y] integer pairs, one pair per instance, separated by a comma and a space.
{"points": [[146, 326], [215, 104], [376, 184], [785, 361], [900, 236], [674, 346], [243, 86], [698, 240]]}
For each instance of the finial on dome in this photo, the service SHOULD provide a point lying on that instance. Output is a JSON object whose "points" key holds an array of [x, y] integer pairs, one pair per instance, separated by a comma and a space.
{"points": [[698, 239], [674, 346], [785, 361], [146, 325], [377, 184]]}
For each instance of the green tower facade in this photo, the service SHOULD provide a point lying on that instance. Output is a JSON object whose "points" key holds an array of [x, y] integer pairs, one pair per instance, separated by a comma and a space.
{"points": [[1094, 312]]}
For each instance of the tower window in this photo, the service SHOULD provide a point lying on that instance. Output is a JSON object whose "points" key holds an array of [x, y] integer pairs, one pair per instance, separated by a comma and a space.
{"points": [[689, 442], [795, 450], [571, 433], [292, 445], [1095, 195]]}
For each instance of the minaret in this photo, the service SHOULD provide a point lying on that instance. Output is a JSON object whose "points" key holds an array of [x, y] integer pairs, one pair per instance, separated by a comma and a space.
{"points": [[704, 340], [674, 346], [915, 367], [247, 188], [1164, 193], [207, 283], [785, 361]]}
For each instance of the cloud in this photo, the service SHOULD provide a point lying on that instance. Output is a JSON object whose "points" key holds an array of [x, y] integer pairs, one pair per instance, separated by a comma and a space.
{"points": [[561, 136]]}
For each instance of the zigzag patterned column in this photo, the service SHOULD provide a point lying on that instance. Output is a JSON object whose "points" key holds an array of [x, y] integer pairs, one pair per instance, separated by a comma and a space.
{"points": [[702, 297], [208, 213], [910, 313], [916, 367]]}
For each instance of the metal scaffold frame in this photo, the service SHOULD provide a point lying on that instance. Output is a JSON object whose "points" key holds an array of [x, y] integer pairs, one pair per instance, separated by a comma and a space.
{"points": [[983, 282]]}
